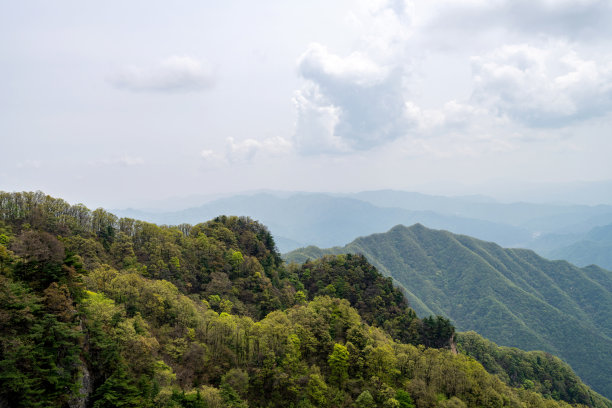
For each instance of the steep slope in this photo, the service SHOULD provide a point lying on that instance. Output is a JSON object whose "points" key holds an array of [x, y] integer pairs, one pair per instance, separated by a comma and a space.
{"points": [[512, 296]]}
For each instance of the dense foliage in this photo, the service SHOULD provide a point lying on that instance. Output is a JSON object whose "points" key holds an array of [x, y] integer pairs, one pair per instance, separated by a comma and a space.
{"points": [[375, 297], [98, 312], [533, 370], [512, 296]]}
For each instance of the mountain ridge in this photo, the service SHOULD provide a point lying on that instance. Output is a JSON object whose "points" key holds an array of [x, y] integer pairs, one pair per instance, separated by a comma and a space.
{"points": [[299, 219]]}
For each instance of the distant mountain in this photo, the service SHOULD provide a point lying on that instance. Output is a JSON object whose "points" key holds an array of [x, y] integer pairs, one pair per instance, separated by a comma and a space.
{"points": [[512, 296], [594, 247], [541, 218], [580, 192], [301, 219], [324, 220]]}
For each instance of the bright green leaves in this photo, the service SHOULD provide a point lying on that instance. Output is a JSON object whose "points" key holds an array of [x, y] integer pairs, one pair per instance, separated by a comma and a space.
{"points": [[338, 363], [365, 400]]}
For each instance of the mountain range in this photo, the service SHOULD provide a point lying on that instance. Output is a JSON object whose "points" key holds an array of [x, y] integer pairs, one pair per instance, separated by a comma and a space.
{"points": [[100, 311], [559, 231]]}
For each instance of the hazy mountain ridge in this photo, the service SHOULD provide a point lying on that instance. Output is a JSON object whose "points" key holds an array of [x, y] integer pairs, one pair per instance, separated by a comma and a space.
{"points": [[301, 219], [326, 220], [512, 296], [593, 247]]}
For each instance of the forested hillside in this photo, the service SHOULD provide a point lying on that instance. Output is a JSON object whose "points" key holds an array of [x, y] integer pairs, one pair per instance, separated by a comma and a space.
{"points": [[97, 311], [512, 296], [533, 370]]}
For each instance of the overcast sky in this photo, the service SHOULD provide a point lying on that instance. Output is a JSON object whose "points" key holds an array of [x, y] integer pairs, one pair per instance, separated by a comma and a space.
{"points": [[119, 102]]}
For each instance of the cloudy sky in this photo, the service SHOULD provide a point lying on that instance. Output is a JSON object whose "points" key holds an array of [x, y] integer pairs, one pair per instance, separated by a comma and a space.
{"points": [[115, 103]]}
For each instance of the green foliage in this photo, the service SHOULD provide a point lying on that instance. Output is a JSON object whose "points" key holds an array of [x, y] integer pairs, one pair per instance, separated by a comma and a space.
{"points": [[404, 399], [338, 363], [39, 351], [231, 397], [238, 380], [378, 301], [118, 391], [534, 370], [317, 390], [365, 400]]}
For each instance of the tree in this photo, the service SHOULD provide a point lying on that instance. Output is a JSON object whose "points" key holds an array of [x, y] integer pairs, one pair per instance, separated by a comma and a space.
{"points": [[41, 256], [365, 400], [338, 363], [237, 379], [404, 399], [317, 389]]}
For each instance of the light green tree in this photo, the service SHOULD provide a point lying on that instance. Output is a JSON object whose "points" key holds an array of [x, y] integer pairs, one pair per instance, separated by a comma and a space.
{"points": [[338, 363]]}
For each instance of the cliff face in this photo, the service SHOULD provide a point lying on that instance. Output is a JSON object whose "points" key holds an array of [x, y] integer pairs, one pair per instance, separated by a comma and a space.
{"points": [[453, 345], [85, 387]]}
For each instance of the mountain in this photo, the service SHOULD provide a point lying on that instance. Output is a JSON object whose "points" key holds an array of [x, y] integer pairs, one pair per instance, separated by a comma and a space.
{"points": [[594, 247], [97, 311], [537, 218], [512, 296]]}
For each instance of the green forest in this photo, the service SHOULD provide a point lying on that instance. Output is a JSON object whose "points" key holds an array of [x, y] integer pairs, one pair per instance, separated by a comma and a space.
{"points": [[98, 311]]}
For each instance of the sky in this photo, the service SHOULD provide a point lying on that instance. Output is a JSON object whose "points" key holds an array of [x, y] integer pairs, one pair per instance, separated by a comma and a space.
{"points": [[121, 103]]}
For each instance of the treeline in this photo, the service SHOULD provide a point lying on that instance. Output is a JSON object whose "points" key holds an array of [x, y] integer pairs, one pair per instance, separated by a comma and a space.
{"points": [[97, 311]]}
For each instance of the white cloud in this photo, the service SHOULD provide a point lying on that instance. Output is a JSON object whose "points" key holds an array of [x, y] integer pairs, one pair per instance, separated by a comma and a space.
{"points": [[456, 130], [542, 87], [316, 123], [212, 160], [386, 27], [174, 74], [348, 103], [355, 69], [207, 154], [246, 150], [130, 161], [368, 98]]}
